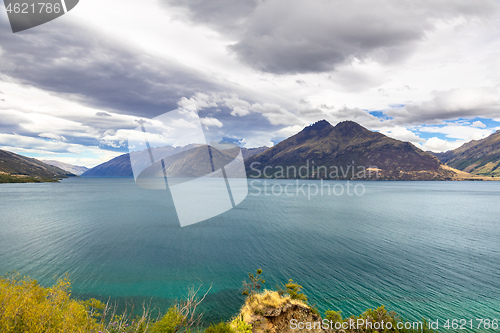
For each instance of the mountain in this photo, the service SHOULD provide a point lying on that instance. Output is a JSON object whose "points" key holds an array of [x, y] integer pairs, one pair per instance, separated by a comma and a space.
{"points": [[191, 163], [74, 169], [120, 166], [116, 167], [17, 168], [247, 152], [346, 151], [479, 157]]}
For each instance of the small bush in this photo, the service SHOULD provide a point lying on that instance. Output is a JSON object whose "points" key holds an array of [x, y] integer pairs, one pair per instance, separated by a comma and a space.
{"points": [[220, 328], [294, 290], [254, 285], [240, 326], [378, 315], [169, 323]]}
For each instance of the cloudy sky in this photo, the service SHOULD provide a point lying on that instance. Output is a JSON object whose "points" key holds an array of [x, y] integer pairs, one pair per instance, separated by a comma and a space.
{"points": [[257, 71]]}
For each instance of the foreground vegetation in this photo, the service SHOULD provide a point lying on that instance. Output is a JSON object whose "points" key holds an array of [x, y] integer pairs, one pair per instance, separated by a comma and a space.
{"points": [[7, 178], [27, 307]]}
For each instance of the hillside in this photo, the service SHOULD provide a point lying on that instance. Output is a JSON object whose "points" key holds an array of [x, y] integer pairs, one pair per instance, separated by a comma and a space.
{"points": [[479, 157], [74, 169], [346, 151], [116, 167], [18, 168], [120, 166]]}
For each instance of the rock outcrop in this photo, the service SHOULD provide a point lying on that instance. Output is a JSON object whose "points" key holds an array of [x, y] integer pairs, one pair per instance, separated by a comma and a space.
{"points": [[271, 313]]}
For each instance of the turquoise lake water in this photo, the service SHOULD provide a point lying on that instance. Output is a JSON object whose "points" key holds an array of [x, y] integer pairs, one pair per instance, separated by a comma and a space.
{"points": [[422, 249]]}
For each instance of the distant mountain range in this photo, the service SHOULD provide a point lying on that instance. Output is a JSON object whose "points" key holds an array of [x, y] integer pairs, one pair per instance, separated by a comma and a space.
{"points": [[479, 157], [346, 151], [120, 166], [342, 152], [17, 168], [74, 169], [319, 151]]}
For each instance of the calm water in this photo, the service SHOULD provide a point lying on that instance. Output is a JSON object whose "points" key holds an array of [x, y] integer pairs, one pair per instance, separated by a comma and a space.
{"points": [[423, 249]]}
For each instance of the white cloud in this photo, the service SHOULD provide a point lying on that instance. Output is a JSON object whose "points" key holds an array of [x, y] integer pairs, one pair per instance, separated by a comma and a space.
{"points": [[238, 106], [438, 145], [459, 132], [275, 114], [401, 133], [259, 140], [53, 137], [198, 101], [211, 122], [88, 156], [478, 124], [289, 131]]}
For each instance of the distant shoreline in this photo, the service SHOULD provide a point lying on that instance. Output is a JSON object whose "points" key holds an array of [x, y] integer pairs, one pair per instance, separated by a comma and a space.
{"points": [[478, 178], [6, 178]]}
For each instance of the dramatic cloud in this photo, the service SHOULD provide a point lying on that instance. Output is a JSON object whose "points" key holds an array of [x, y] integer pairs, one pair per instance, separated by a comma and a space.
{"points": [[452, 104], [224, 15], [283, 36], [101, 72]]}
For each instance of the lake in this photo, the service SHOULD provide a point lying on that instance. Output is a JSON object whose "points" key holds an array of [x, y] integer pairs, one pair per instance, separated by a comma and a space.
{"points": [[422, 249]]}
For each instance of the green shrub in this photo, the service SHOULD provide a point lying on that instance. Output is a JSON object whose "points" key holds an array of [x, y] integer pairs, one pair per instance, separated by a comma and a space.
{"points": [[241, 326], [169, 323], [254, 285], [220, 328], [294, 290], [378, 315], [334, 316]]}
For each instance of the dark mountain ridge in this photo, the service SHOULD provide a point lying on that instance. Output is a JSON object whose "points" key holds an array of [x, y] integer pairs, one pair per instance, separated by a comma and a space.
{"points": [[348, 145]]}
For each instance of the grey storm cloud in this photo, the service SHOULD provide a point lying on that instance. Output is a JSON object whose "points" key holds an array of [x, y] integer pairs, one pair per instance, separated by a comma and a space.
{"points": [[227, 16], [451, 104], [68, 59], [283, 36], [102, 114]]}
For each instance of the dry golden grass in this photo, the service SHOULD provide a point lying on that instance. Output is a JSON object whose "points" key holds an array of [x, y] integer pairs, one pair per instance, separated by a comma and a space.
{"points": [[257, 304], [462, 175]]}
